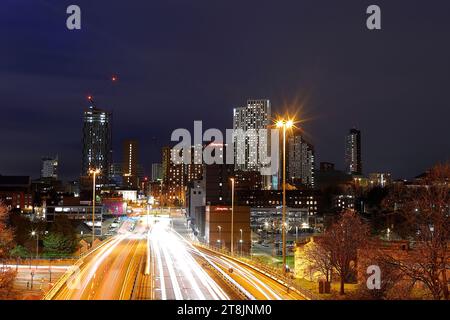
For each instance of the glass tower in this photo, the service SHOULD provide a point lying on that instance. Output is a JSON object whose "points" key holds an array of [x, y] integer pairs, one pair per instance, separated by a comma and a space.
{"points": [[97, 141]]}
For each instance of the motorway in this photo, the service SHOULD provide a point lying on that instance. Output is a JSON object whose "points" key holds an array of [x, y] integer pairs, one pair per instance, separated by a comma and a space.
{"points": [[151, 255], [108, 273], [153, 258], [178, 276]]}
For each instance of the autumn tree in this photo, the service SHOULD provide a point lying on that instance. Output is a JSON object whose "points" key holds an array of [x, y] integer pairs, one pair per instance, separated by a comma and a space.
{"points": [[425, 209], [6, 234], [391, 284], [7, 275], [342, 240]]}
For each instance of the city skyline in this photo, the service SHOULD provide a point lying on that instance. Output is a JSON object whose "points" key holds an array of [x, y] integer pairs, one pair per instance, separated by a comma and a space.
{"points": [[227, 152]]}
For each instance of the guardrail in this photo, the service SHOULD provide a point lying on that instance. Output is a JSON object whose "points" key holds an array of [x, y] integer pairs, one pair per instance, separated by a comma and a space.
{"points": [[273, 273], [69, 273], [233, 286]]}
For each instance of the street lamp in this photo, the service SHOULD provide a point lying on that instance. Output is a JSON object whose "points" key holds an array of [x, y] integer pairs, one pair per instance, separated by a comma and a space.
{"points": [[285, 124], [36, 234], [220, 236], [94, 172], [160, 196], [232, 215], [241, 241]]}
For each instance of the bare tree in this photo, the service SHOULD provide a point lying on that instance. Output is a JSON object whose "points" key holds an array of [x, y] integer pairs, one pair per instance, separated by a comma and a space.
{"points": [[425, 208], [319, 258], [342, 240]]}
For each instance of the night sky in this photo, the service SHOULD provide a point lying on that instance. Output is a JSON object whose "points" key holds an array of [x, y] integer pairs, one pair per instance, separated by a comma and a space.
{"points": [[185, 60]]}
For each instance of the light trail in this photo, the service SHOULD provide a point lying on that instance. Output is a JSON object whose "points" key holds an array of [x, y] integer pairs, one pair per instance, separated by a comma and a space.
{"points": [[184, 271], [92, 266], [160, 268]]}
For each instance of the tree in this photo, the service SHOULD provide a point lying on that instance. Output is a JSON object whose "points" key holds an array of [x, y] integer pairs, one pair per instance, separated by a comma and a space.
{"points": [[392, 285], [6, 234], [425, 209], [342, 240], [319, 258], [56, 244], [62, 238], [19, 252], [7, 275]]}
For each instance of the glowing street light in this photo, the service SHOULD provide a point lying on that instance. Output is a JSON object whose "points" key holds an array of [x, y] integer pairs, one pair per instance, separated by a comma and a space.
{"points": [[285, 124], [241, 241], [36, 234], [220, 235], [94, 172]]}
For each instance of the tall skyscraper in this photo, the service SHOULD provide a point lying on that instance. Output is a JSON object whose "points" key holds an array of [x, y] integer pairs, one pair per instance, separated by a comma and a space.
{"points": [[130, 163], [49, 168], [116, 173], [166, 160], [174, 178], [97, 142], [193, 170], [156, 171], [300, 161], [255, 115], [353, 152]]}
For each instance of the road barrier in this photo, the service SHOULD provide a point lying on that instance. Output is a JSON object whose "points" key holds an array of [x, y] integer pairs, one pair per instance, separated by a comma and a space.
{"points": [[70, 272], [273, 273], [233, 286]]}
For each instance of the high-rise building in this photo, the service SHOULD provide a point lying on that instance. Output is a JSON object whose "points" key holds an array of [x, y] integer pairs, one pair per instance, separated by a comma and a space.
{"points": [[130, 163], [300, 161], [156, 171], [194, 169], [141, 173], [174, 175], [116, 173], [49, 167], [175, 183], [97, 142], [255, 115], [166, 160], [353, 152]]}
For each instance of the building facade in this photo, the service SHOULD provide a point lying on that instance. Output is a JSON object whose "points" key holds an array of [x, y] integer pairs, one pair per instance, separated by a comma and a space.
{"points": [[300, 161], [218, 228], [97, 142], [353, 152], [130, 163], [49, 168], [16, 193], [255, 115], [157, 172]]}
